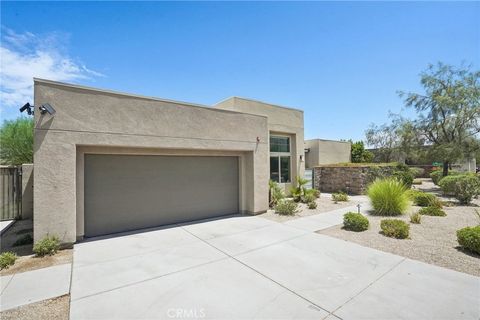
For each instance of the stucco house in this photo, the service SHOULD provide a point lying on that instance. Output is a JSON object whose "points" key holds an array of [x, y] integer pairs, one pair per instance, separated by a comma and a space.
{"points": [[108, 162], [321, 151]]}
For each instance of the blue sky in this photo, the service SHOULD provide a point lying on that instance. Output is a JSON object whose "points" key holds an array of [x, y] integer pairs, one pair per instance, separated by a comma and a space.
{"points": [[342, 63]]}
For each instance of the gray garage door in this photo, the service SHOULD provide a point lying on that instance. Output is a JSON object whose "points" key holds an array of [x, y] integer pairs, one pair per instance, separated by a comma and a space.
{"points": [[124, 192]]}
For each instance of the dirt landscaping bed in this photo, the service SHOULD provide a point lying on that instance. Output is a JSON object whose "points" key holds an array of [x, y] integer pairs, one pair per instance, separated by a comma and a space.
{"points": [[52, 309], [433, 241], [324, 204], [26, 261]]}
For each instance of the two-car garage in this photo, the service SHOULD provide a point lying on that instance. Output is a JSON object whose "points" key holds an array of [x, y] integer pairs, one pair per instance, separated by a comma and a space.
{"points": [[128, 192]]}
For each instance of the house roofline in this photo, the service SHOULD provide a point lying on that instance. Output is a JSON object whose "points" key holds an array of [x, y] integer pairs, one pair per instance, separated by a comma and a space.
{"points": [[120, 93]]}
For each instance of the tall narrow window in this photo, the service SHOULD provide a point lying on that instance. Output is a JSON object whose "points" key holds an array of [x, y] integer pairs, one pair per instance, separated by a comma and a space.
{"points": [[280, 159]]}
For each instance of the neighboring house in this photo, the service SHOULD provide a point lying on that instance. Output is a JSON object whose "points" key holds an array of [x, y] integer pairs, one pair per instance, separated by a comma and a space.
{"points": [[109, 162], [320, 151]]}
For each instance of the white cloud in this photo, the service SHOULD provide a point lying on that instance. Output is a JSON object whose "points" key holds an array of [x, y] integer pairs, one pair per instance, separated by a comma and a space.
{"points": [[25, 56]]}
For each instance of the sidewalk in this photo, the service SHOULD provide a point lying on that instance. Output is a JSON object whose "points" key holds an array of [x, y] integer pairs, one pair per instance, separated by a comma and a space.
{"points": [[33, 286]]}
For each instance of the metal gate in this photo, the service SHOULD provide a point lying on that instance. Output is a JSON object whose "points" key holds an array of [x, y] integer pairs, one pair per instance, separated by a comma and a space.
{"points": [[10, 192]]}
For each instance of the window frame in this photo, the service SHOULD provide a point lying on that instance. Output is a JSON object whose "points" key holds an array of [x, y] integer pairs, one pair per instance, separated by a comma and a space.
{"points": [[279, 155]]}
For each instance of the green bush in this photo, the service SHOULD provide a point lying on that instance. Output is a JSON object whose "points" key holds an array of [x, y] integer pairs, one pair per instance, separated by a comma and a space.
{"points": [[437, 175], [467, 188], [388, 197], [432, 211], [447, 184], [417, 172], [416, 218], [395, 228], [469, 238], [314, 192], [275, 193], [286, 207], [423, 199], [26, 239], [312, 205], [404, 176], [308, 198], [339, 196], [47, 246], [7, 259], [355, 221]]}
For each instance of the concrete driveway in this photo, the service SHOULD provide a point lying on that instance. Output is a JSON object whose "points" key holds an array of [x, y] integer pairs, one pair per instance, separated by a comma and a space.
{"points": [[250, 267]]}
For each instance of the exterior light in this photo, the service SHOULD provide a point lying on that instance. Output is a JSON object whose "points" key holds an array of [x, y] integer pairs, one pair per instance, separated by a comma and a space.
{"points": [[358, 207], [44, 108]]}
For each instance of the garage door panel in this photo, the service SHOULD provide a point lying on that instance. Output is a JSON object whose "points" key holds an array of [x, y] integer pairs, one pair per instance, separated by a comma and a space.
{"points": [[125, 192]]}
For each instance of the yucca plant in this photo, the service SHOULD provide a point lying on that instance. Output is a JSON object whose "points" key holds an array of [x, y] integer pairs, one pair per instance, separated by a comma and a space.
{"points": [[275, 193], [388, 197]]}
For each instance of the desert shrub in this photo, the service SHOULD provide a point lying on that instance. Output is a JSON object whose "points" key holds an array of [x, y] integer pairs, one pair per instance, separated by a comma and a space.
{"points": [[432, 211], [437, 175], [275, 193], [286, 207], [312, 205], [467, 187], [395, 228], [417, 172], [309, 197], [339, 196], [447, 184], [47, 246], [403, 174], [415, 218], [424, 199], [469, 238], [355, 222], [417, 182], [388, 197], [24, 240], [313, 192], [300, 190], [7, 259]]}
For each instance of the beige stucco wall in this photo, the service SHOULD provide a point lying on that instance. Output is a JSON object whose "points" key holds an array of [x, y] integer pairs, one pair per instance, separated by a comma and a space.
{"points": [[281, 120], [98, 121], [326, 152], [27, 191]]}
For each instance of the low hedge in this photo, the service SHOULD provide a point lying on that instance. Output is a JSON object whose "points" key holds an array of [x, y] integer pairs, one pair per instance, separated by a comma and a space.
{"points": [[395, 228], [432, 211], [355, 222], [469, 238]]}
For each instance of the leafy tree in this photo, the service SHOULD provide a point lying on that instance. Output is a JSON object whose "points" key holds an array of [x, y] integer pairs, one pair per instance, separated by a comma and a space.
{"points": [[448, 112], [16, 141], [359, 154], [384, 138]]}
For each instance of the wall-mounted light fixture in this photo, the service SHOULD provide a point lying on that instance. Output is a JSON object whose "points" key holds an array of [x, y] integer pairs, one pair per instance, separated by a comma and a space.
{"points": [[44, 108], [301, 158], [258, 139]]}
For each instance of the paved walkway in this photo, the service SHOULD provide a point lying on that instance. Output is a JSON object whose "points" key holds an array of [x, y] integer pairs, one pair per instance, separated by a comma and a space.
{"points": [[251, 267], [33, 286]]}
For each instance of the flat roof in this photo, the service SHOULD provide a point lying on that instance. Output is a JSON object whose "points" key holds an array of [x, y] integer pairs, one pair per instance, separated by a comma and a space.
{"points": [[119, 93], [262, 102], [328, 140]]}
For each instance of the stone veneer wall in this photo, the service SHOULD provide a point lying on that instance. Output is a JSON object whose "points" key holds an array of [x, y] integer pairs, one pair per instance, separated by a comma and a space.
{"points": [[350, 179]]}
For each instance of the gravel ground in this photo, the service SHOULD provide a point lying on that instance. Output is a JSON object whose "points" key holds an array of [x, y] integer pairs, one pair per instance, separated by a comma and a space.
{"points": [[324, 204], [51, 309], [433, 241]]}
